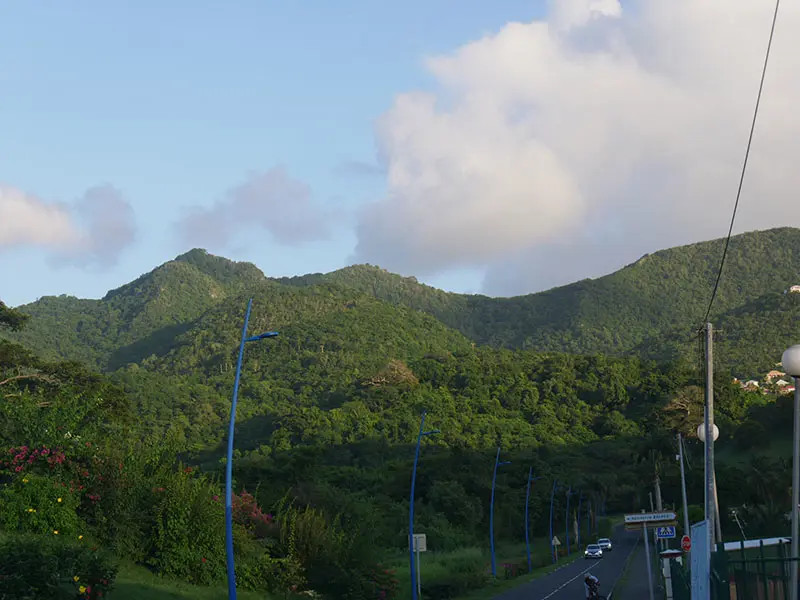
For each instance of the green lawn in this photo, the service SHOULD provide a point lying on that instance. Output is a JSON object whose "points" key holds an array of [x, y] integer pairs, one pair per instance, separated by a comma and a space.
{"points": [[137, 583]]}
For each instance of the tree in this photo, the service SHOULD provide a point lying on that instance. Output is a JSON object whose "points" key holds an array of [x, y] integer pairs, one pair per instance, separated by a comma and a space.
{"points": [[12, 318]]}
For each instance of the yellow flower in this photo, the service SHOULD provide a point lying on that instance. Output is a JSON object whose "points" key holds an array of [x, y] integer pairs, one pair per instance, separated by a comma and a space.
{"points": [[31, 510], [80, 537], [25, 480], [59, 499], [55, 531], [82, 589], [75, 578]]}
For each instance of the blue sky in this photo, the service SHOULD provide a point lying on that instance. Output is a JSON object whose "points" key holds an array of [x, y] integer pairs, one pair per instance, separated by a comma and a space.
{"points": [[502, 148], [173, 103]]}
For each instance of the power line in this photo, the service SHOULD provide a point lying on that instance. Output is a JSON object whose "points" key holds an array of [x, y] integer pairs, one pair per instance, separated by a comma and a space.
{"points": [[744, 164]]}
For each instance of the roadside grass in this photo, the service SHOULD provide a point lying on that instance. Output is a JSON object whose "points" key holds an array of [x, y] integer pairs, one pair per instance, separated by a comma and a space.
{"points": [[437, 566], [137, 583]]}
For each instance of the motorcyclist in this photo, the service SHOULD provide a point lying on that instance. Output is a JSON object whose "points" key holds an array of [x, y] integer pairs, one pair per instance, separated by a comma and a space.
{"points": [[592, 586]]}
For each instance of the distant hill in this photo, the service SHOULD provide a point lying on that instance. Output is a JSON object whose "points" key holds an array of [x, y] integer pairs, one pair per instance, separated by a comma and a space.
{"points": [[140, 317], [661, 297], [651, 307]]}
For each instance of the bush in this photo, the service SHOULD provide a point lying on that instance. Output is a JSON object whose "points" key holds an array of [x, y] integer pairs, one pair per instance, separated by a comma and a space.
{"points": [[35, 504], [57, 569], [188, 540]]}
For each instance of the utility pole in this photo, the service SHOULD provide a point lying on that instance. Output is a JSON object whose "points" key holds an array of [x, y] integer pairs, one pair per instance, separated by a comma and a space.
{"points": [[686, 530], [708, 423], [659, 506]]}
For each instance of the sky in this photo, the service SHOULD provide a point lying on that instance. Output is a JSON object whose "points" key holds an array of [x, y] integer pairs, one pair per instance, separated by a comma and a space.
{"points": [[485, 147]]}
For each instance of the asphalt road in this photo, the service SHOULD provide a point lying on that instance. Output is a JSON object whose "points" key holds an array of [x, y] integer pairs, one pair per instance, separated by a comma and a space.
{"points": [[567, 583]]}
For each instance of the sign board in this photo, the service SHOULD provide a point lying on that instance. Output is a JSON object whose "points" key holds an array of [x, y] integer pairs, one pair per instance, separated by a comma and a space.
{"points": [[556, 541], [665, 533], [686, 543], [655, 517], [645, 525], [420, 542], [701, 562]]}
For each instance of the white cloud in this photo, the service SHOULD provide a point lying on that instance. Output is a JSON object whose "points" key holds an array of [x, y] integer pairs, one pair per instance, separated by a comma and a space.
{"points": [[271, 201], [568, 146], [94, 229]]}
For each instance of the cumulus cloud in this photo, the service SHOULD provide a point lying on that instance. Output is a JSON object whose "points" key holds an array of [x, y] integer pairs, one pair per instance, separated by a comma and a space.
{"points": [[271, 201], [568, 146], [93, 230]]}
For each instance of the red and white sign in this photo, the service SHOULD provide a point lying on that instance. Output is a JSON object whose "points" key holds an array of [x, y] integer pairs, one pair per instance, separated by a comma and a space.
{"points": [[686, 543]]}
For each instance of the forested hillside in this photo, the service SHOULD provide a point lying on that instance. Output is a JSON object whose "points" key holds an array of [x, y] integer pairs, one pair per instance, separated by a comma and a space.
{"points": [[650, 308], [329, 409]]}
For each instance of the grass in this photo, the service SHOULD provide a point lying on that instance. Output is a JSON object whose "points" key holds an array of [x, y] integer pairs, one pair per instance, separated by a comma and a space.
{"points": [[135, 583], [436, 566]]}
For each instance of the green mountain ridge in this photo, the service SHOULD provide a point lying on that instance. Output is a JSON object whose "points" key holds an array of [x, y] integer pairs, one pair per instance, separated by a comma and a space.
{"points": [[650, 307]]}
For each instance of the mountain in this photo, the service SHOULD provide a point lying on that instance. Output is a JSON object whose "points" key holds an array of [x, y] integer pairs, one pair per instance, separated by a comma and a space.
{"points": [[139, 318], [651, 307]]}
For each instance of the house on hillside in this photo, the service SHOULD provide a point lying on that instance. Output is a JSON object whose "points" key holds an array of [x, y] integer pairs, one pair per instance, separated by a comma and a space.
{"points": [[787, 389], [795, 289], [781, 383], [773, 374]]}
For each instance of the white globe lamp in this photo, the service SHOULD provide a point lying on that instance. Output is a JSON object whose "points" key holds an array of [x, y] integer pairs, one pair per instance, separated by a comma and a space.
{"points": [[791, 361], [701, 432]]}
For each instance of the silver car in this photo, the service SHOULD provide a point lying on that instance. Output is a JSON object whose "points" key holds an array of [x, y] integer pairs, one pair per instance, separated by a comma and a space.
{"points": [[593, 551], [605, 544]]}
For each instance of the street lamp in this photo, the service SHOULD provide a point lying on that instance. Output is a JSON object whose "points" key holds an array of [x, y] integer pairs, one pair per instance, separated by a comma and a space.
{"points": [[570, 493], [229, 463], [531, 479], [497, 463], [791, 364], [553, 549], [414, 575]]}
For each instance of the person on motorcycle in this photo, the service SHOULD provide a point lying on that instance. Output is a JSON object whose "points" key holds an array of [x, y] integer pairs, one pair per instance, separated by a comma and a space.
{"points": [[592, 585]]}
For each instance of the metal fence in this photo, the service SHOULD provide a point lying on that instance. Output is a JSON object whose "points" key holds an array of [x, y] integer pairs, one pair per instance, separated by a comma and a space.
{"points": [[750, 573]]}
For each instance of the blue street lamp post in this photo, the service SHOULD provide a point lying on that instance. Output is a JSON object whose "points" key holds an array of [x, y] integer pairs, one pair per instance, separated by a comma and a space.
{"points": [[497, 463], [531, 479], [229, 463], [413, 569], [569, 494], [589, 516], [553, 549]]}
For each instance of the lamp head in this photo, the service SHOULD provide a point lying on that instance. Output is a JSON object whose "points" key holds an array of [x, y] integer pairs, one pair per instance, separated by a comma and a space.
{"points": [[791, 361]]}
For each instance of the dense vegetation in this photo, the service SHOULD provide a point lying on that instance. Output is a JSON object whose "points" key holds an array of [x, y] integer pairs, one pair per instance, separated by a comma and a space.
{"points": [[130, 459]]}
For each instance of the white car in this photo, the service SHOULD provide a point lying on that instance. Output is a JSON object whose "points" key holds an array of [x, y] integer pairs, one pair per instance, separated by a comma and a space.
{"points": [[605, 544], [593, 551]]}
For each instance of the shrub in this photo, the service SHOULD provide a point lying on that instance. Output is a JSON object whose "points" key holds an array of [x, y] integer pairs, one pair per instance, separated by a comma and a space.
{"points": [[35, 504], [35, 567], [189, 535]]}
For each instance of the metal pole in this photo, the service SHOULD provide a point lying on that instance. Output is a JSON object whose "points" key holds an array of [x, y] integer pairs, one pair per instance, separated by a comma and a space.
{"points": [[649, 566], [686, 530], [229, 464], [553, 549], [578, 519], [414, 590], [708, 422], [569, 493], [491, 512], [795, 490], [419, 575], [527, 532]]}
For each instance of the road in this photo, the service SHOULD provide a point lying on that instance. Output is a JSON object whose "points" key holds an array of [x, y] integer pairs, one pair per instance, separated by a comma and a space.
{"points": [[567, 583]]}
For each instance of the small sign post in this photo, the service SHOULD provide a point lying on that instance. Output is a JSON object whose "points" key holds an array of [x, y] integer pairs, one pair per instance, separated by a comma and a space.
{"points": [[420, 545], [686, 543]]}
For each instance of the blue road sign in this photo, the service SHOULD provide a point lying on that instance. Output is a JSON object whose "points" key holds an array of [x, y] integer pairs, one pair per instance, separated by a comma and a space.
{"points": [[664, 533]]}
